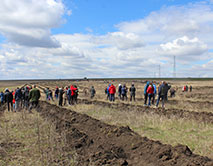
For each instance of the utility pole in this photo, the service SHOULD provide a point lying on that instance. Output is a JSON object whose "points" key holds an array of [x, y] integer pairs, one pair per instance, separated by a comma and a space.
{"points": [[174, 67]]}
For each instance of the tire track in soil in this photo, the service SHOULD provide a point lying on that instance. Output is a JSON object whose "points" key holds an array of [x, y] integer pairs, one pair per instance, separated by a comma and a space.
{"points": [[97, 143]]}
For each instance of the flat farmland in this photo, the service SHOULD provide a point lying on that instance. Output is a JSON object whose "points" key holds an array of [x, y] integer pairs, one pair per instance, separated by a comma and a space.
{"points": [[100, 132]]}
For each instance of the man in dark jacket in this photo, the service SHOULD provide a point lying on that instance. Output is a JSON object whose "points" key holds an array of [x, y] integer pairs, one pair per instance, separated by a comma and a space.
{"points": [[18, 98], [92, 92], [34, 97], [56, 93], [61, 92], [132, 90], [119, 90], [161, 94], [26, 97], [9, 99], [124, 92]]}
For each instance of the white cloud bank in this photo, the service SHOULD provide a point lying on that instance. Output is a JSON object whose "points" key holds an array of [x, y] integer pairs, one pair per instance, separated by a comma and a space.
{"points": [[28, 22], [135, 50], [184, 47]]}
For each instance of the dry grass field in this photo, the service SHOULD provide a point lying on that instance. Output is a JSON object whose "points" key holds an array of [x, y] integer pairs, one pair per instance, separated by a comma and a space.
{"points": [[187, 120]]}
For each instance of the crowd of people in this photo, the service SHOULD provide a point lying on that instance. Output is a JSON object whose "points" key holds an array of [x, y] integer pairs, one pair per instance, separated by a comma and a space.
{"points": [[27, 97], [186, 88], [21, 98], [67, 95], [150, 92]]}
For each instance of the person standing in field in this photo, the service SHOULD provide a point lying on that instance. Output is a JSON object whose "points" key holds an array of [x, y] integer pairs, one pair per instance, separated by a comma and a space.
{"points": [[56, 93], [46, 91], [65, 95], [108, 94], [119, 90], [124, 92], [145, 93], [76, 94], [132, 90], [150, 92], [18, 98], [69, 95], [190, 88], [161, 94], [92, 92], [26, 97], [14, 101], [73, 94], [112, 91], [2, 97], [61, 93], [34, 97], [9, 99], [187, 88], [51, 94], [154, 94]]}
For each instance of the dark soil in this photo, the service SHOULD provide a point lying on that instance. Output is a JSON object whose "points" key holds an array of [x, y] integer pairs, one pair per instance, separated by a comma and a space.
{"points": [[97, 143]]}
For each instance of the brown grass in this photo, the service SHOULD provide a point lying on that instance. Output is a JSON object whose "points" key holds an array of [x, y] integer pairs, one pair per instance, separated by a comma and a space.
{"points": [[27, 139]]}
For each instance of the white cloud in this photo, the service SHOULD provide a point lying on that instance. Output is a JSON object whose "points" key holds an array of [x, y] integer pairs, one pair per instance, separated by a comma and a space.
{"points": [[173, 22], [29, 22], [184, 47], [121, 40], [135, 50]]}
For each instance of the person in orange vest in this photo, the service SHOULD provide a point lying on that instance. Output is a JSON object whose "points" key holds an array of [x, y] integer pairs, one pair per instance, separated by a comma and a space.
{"points": [[112, 91]]}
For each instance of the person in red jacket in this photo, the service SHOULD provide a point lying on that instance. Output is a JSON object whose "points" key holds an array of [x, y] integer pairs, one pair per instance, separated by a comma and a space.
{"points": [[14, 101], [150, 92], [73, 91], [112, 91]]}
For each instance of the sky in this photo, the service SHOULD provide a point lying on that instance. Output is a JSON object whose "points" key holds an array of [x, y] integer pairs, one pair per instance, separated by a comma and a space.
{"points": [[59, 39]]}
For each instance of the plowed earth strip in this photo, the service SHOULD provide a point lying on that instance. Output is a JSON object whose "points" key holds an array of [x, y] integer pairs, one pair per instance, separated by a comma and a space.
{"points": [[97, 143]]}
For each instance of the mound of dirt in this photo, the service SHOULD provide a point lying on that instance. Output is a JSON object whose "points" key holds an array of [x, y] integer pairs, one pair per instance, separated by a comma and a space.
{"points": [[97, 143]]}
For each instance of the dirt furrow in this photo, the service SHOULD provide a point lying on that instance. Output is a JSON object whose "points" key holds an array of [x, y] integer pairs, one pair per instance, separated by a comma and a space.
{"points": [[97, 143]]}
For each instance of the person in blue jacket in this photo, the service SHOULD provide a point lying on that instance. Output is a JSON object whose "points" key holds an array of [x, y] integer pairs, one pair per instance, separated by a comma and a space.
{"points": [[108, 92], [145, 92], [154, 94], [2, 97]]}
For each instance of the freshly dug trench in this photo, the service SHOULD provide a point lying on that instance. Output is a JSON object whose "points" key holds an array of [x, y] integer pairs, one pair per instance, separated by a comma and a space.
{"points": [[97, 143]]}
